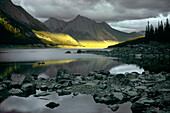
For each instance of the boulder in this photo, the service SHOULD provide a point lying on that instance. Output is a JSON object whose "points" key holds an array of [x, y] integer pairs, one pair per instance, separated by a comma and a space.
{"points": [[28, 89], [17, 80], [15, 91], [52, 105], [79, 51], [68, 52], [62, 74]]}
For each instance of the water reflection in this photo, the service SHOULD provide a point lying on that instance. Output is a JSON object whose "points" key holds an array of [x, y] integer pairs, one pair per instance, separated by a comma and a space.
{"points": [[68, 104], [50, 68], [126, 68]]}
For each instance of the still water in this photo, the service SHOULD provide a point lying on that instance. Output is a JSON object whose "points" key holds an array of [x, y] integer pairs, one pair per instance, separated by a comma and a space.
{"points": [[46, 62]]}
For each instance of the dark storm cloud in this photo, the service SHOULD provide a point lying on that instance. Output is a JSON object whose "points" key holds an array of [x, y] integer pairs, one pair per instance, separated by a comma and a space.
{"points": [[100, 10]]}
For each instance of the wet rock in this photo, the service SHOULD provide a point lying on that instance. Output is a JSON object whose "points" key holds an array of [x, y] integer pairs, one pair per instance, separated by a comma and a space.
{"points": [[63, 92], [52, 105], [62, 74], [15, 91], [98, 76], [28, 89], [117, 95], [35, 76], [44, 87], [113, 107], [68, 52], [7, 82], [103, 72], [79, 51], [65, 83], [1, 88], [75, 93], [17, 80], [41, 94], [29, 79], [92, 74], [142, 105], [102, 99]]}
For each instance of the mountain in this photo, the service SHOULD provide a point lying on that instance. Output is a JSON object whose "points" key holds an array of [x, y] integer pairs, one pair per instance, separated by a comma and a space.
{"points": [[55, 25], [83, 28], [16, 25]]}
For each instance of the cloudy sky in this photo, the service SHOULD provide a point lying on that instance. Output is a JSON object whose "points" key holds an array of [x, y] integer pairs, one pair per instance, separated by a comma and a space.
{"points": [[124, 15]]}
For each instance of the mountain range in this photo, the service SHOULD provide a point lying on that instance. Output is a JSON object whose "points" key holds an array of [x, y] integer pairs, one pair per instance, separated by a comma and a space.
{"points": [[83, 28], [18, 26]]}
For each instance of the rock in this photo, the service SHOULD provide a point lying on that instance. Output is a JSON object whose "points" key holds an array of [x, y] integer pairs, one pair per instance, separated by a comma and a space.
{"points": [[15, 91], [102, 99], [114, 107], [63, 92], [78, 78], [17, 80], [65, 83], [75, 93], [68, 52], [28, 89], [117, 95], [29, 79], [44, 87], [35, 76], [92, 74], [142, 105], [98, 76], [41, 94], [1, 88], [103, 72], [62, 74], [79, 51], [52, 105]]}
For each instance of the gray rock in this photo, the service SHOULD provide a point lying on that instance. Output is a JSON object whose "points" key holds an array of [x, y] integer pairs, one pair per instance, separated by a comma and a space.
{"points": [[52, 105], [28, 88], [15, 91], [98, 76], [114, 107], [41, 94], [117, 95], [1, 88], [65, 83], [63, 92], [17, 80], [44, 87]]}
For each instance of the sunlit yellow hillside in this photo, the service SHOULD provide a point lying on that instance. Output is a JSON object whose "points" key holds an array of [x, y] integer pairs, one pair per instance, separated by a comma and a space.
{"points": [[56, 38], [66, 41], [97, 44]]}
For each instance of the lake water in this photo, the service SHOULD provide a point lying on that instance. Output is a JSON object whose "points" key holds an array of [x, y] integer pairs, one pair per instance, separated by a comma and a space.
{"points": [[46, 62]]}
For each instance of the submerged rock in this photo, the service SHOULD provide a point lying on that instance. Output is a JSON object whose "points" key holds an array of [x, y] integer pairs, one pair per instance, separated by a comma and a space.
{"points": [[52, 105]]}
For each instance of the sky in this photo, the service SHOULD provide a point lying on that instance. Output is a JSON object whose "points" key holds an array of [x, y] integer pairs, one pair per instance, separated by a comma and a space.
{"points": [[123, 15]]}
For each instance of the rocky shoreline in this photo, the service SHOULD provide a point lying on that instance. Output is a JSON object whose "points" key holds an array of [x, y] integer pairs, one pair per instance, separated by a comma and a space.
{"points": [[148, 92]]}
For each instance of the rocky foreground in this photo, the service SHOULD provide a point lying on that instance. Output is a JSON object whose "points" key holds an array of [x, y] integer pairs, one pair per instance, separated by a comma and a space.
{"points": [[148, 92]]}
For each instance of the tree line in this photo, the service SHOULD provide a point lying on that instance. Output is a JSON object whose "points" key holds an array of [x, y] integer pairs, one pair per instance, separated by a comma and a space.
{"points": [[160, 33]]}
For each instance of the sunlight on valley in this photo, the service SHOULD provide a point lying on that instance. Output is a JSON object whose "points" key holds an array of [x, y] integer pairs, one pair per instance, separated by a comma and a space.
{"points": [[66, 41], [56, 38]]}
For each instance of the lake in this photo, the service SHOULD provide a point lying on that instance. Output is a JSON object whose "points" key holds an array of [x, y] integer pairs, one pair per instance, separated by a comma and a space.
{"points": [[47, 62]]}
